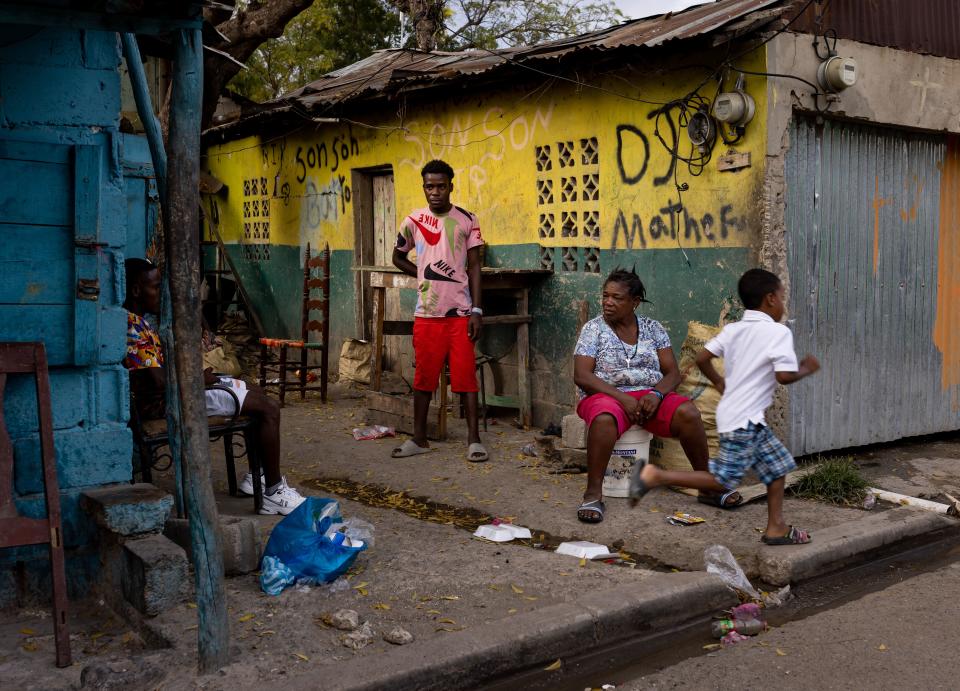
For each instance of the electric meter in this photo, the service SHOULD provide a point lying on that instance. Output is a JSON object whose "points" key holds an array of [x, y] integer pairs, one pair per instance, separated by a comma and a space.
{"points": [[836, 73]]}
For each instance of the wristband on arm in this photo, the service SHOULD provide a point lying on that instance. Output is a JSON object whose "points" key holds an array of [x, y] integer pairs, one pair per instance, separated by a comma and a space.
{"points": [[657, 394]]}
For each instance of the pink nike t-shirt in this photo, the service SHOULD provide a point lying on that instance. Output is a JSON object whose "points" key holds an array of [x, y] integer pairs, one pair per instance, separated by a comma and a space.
{"points": [[441, 241]]}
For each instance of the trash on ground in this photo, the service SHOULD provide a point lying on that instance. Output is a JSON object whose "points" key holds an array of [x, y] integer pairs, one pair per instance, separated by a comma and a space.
{"points": [[777, 599], [907, 500], [360, 638], [718, 560], [869, 502], [732, 638], [373, 432], [502, 532], [746, 611], [529, 449], [553, 430], [398, 636], [681, 518], [585, 550], [745, 627], [345, 619], [312, 545]]}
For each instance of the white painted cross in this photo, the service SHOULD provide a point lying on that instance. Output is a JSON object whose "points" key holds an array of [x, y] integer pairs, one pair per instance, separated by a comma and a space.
{"points": [[924, 86]]}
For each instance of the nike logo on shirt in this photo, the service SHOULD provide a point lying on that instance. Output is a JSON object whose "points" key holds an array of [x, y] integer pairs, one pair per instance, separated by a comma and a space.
{"points": [[430, 236], [433, 275]]}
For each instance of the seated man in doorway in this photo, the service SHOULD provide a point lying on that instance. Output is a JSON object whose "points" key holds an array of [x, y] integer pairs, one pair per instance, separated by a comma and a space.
{"points": [[147, 382]]}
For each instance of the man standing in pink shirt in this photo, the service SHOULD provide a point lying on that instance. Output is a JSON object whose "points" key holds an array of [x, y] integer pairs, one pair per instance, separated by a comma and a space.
{"points": [[448, 318]]}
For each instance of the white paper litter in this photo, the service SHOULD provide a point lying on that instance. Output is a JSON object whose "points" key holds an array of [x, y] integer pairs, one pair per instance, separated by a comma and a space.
{"points": [[585, 550], [503, 532]]}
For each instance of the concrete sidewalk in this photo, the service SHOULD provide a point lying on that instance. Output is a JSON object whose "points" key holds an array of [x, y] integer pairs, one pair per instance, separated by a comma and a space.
{"points": [[478, 610]]}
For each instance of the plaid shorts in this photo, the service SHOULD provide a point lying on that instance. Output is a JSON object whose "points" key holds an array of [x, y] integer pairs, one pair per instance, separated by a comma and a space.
{"points": [[753, 446]]}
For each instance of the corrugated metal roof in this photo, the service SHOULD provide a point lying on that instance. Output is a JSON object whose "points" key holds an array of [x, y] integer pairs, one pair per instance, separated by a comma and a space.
{"points": [[394, 69], [919, 26]]}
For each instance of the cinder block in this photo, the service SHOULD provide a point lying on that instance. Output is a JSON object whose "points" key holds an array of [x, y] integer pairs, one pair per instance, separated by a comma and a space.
{"points": [[574, 432], [155, 574], [128, 509], [85, 456], [240, 540]]}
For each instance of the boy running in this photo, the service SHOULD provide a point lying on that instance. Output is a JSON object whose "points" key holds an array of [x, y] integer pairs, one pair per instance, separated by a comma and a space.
{"points": [[758, 354]]}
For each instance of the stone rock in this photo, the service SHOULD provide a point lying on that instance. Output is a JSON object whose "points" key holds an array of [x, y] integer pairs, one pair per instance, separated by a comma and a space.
{"points": [[128, 509], [398, 636], [240, 541], [345, 619], [360, 638], [574, 458], [574, 432]]}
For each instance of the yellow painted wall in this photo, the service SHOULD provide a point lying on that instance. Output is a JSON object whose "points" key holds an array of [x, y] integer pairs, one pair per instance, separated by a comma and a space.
{"points": [[298, 185]]}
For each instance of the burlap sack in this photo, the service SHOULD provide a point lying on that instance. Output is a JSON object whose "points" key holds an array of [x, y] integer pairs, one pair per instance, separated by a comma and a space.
{"points": [[223, 360], [667, 453], [356, 361]]}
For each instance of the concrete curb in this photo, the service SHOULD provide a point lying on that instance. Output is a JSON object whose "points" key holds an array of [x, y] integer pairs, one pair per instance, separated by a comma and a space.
{"points": [[469, 658], [832, 547]]}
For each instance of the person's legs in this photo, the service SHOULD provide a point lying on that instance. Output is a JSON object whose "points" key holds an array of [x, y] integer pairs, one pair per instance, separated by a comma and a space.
{"points": [[267, 412], [601, 436], [463, 373], [687, 427], [776, 526], [421, 408]]}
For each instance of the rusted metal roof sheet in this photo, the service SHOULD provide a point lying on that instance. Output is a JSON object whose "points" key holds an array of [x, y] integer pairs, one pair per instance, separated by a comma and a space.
{"points": [[919, 26], [396, 69]]}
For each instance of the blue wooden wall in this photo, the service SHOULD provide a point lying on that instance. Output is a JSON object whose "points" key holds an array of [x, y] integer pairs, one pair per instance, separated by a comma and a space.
{"points": [[74, 195]]}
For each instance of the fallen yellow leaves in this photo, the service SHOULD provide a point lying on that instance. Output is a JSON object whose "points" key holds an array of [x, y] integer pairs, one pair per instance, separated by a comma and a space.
{"points": [[245, 617], [781, 653], [553, 667], [27, 632], [516, 589], [301, 656], [882, 647], [381, 606]]}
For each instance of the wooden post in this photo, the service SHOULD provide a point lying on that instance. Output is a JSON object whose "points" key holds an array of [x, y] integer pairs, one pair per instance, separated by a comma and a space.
{"points": [[523, 359], [379, 294], [183, 270], [131, 52]]}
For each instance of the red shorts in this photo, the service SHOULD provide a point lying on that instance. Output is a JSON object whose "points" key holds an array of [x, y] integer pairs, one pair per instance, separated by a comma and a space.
{"points": [[600, 403], [433, 340]]}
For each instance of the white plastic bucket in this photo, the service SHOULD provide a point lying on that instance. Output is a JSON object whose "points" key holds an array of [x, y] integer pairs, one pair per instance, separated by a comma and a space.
{"points": [[634, 445]]}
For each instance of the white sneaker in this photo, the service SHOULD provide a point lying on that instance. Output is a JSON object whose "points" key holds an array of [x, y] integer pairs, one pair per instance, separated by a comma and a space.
{"points": [[283, 501], [246, 484]]}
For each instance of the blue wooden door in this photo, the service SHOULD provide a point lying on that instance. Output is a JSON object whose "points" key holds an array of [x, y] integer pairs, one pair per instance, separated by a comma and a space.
{"points": [[52, 265]]}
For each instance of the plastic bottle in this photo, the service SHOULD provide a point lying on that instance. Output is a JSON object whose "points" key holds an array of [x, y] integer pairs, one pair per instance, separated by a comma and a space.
{"points": [[747, 627]]}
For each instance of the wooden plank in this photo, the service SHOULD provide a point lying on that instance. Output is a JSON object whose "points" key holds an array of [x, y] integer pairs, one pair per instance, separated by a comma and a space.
{"points": [[384, 279], [397, 328], [378, 298], [507, 319], [390, 403], [523, 361]]}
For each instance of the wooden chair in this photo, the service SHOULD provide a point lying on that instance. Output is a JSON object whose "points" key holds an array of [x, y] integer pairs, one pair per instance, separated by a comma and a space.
{"points": [[316, 277], [151, 436], [16, 530]]}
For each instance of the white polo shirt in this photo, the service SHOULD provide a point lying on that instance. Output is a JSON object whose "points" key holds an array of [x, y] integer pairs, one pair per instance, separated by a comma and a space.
{"points": [[753, 349]]}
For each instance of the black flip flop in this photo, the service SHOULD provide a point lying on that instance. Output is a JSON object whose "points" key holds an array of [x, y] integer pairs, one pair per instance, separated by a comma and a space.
{"points": [[720, 500], [637, 486], [596, 506], [794, 536]]}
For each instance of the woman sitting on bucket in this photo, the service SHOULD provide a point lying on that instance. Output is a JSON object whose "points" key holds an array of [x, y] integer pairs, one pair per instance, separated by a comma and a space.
{"points": [[626, 373]]}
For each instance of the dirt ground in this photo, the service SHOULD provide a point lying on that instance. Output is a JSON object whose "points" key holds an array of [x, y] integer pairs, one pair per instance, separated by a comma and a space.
{"points": [[425, 571]]}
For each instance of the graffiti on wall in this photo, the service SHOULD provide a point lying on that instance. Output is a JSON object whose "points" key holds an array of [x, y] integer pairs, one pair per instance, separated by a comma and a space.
{"points": [[498, 135], [669, 218]]}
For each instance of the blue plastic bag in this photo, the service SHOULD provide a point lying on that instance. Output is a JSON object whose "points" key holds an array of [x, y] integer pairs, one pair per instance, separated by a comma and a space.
{"points": [[299, 542]]}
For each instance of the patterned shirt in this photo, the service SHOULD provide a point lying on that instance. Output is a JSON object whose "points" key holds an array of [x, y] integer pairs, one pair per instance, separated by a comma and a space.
{"points": [[143, 344], [441, 241], [627, 367]]}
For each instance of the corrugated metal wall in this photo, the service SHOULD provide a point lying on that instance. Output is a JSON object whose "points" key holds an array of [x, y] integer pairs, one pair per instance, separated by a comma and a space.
{"points": [[863, 228]]}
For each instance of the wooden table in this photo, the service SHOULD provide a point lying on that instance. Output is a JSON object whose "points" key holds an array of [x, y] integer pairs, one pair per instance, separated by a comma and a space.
{"points": [[513, 282]]}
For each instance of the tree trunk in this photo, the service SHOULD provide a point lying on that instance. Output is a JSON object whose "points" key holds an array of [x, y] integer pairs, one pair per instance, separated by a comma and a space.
{"points": [[244, 32], [427, 17]]}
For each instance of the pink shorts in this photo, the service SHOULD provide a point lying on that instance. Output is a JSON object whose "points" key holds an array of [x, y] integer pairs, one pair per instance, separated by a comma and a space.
{"points": [[600, 403]]}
